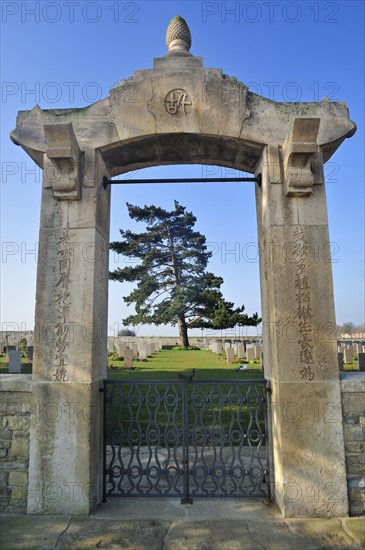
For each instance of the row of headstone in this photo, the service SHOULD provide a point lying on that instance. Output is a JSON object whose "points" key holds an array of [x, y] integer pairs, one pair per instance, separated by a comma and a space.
{"points": [[347, 358], [141, 350], [254, 351], [13, 341], [354, 349]]}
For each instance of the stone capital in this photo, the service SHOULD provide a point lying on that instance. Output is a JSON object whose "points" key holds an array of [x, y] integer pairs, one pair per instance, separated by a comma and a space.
{"points": [[65, 155], [298, 152]]}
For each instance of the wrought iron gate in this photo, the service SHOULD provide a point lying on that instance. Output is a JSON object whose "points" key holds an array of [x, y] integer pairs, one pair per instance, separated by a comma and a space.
{"points": [[185, 438]]}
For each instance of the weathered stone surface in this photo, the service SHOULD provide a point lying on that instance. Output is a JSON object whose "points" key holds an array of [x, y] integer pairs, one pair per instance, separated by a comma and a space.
{"points": [[15, 410], [68, 428], [353, 402], [20, 445], [311, 430]]}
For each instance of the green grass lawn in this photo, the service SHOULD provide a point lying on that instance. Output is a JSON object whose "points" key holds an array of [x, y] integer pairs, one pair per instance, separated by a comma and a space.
{"points": [[168, 363]]}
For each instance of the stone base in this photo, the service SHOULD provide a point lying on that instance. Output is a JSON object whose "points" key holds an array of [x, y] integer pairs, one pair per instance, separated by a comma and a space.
{"points": [[308, 449], [65, 470]]}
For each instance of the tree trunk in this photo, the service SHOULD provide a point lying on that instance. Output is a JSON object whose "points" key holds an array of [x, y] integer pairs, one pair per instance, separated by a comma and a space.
{"points": [[183, 331]]}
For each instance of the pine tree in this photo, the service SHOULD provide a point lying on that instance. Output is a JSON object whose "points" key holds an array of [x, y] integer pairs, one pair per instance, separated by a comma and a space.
{"points": [[173, 285]]}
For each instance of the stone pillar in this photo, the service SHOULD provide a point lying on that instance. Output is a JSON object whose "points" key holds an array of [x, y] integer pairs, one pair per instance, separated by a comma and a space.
{"points": [[299, 329], [70, 349]]}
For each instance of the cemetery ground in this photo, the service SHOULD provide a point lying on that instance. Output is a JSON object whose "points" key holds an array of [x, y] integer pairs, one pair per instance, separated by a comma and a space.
{"points": [[168, 363]]}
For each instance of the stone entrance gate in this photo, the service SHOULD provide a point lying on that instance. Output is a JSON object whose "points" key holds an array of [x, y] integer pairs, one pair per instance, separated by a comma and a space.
{"points": [[180, 112]]}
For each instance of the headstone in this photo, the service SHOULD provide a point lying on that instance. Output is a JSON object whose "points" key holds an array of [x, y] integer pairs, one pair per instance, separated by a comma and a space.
{"points": [[216, 347], [348, 355], [110, 345], [142, 353], [358, 349], [30, 353], [229, 355], [148, 350], [250, 352], [14, 361], [257, 349], [135, 349], [362, 362], [153, 348], [227, 345], [340, 360], [128, 357], [240, 350], [120, 348]]}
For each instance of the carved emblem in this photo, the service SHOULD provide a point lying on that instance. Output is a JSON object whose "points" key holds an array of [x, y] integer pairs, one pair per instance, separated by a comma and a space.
{"points": [[177, 101]]}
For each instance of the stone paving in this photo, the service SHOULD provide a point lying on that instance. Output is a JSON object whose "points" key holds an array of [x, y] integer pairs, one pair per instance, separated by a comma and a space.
{"points": [[163, 524]]}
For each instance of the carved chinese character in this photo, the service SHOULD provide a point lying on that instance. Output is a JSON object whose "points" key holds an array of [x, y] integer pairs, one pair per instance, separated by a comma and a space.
{"points": [[307, 372], [61, 374], [176, 101]]}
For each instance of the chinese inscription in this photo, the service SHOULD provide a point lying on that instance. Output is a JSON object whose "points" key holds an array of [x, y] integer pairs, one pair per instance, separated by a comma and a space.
{"points": [[177, 101], [62, 298], [303, 302]]}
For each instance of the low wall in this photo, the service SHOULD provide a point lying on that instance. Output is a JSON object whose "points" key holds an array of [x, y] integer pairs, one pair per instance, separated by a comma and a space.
{"points": [[15, 411], [353, 409]]}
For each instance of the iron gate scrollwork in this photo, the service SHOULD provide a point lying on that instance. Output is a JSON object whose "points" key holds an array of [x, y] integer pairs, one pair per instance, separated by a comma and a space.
{"points": [[185, 438]]}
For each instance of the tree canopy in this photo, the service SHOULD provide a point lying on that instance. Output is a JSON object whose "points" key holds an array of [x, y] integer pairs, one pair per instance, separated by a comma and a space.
{"points": [[173, 286]]}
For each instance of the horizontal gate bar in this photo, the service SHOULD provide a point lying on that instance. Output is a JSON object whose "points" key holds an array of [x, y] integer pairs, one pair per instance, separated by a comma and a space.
{"points": [[107, 181]]}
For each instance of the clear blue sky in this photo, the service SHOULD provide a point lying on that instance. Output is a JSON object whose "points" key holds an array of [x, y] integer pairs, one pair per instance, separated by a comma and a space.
{"points": [[69, 54]]}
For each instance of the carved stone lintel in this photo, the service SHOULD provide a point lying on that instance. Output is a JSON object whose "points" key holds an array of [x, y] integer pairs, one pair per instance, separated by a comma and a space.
{"points": [[65, 155], [299, 152]]}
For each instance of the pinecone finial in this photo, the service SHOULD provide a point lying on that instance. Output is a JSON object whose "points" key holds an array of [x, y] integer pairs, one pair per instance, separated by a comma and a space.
{"points": [[178, 35]]}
